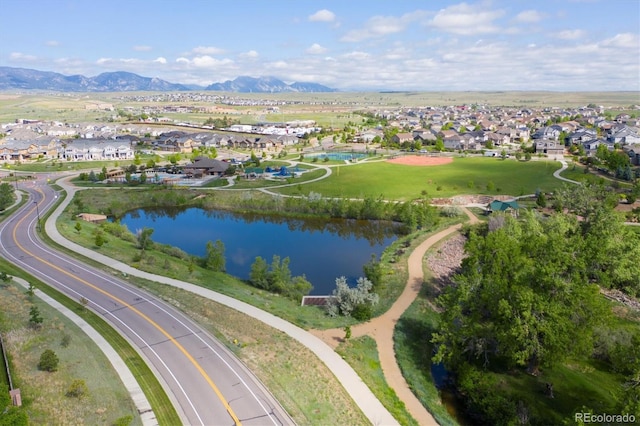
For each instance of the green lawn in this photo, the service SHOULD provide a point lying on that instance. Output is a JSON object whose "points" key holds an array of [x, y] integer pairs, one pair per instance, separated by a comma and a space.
{"points": [[466, 175]]}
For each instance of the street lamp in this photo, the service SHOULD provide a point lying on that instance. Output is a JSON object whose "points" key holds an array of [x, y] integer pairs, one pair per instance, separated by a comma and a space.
{"points": [[38, 213]]}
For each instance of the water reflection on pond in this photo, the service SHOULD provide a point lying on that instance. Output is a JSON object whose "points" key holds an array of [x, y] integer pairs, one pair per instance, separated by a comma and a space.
{"points": [[321, 249]]}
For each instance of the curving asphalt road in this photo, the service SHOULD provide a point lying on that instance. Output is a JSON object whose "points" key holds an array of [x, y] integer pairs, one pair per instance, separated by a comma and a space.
{"points": [[206, 382]]}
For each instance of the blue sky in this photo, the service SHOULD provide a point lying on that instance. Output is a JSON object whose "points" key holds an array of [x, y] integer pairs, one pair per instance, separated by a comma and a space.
{"points": [[561, 45]]}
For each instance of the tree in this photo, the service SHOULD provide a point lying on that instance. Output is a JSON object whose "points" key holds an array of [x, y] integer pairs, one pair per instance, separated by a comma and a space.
{"points": [[48, 361], [373, 271], [541, 200], [439, 145], [99, 240], [7, 196], [215, 256], [144, 238], [520, 297], [259, 275], [35, 319], [280, 274], [78, 226]]}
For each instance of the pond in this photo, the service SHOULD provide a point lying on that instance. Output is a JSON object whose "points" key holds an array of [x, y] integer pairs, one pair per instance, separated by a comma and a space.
{"points": [[321, 249]]}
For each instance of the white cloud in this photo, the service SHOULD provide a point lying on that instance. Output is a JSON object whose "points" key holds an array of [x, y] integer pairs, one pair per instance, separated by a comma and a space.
{"points": [[207, 50], [251, 54], [466, 19], [52, 43], [204, 62], [142, 48], [529, 16], [160, 60], [359, 56], [316, 49], [624, 40], [379, 26], [18, 56], [323, 15], [570, 34]]}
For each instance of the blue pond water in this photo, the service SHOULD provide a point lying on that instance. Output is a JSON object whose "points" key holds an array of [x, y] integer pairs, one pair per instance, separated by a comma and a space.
{"points": [[322, 250]]}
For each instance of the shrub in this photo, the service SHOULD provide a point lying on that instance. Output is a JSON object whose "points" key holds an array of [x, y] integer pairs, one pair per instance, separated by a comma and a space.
{"points": [[77, 389], [123, 421], [451, 211], [48, 361], [347, 300], [66, 340]]}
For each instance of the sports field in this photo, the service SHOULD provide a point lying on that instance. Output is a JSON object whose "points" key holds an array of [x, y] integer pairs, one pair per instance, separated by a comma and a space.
{"points": [[465, 175]]}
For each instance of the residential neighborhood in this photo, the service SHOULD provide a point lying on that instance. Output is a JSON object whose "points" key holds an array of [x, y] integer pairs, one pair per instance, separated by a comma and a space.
{"points": [[550, 132]]}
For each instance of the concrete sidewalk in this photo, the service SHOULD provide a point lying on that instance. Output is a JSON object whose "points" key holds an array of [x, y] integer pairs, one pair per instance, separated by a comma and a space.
{"points": [[357, 389]]}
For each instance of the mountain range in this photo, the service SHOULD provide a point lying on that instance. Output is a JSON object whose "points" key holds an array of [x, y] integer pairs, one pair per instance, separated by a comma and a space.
{"points": [[121, 81]]}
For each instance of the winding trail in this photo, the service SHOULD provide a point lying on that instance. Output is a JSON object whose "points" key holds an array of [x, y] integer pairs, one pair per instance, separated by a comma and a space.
{"points": [[381, 328]]}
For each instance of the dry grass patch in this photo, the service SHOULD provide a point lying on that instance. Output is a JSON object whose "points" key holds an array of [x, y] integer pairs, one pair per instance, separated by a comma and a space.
{"points": [[43, 393]]}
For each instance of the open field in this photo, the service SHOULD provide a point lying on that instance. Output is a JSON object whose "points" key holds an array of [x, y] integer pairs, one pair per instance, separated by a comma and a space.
{"points": [[468, 175], [327, 109]]}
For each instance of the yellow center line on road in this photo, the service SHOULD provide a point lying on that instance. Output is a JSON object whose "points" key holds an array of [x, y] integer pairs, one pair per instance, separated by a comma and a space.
{"points": [[142, 315]]}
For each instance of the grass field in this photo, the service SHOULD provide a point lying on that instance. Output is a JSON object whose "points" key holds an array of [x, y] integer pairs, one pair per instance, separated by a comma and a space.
{"points": [[466, 175]]}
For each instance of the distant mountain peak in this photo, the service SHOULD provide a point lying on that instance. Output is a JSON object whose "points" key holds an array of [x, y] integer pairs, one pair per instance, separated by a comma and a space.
{"points": [[123, 81], [246, 84]]}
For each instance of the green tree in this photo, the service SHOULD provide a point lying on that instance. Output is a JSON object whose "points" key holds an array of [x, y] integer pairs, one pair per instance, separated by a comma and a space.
{"points": [[520, 297], [541, 200], [259, 274], [35, 319], [99, 239], [143, 237], [48, 361], [373, 271], [7, 196], [215, 259], [439, 145], [280, 274]]}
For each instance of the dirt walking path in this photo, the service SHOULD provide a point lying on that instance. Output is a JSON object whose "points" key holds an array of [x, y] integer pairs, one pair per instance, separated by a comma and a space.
{"points": [[381, 328]]}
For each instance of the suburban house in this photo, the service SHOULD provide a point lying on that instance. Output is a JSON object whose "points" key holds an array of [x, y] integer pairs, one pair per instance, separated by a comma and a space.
{"points": [[21, 150], [634, 155], [549, 147], [462, 142], [625, 135], [591, 146], [95, 149], [400, 138], [550, 133]]}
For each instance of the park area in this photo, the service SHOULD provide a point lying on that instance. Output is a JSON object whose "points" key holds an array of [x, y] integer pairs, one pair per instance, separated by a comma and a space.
{"points": [[405, 178]]}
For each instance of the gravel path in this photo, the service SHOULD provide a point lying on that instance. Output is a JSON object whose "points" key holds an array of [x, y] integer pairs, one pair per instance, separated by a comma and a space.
{"points": [[381, 328]]}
